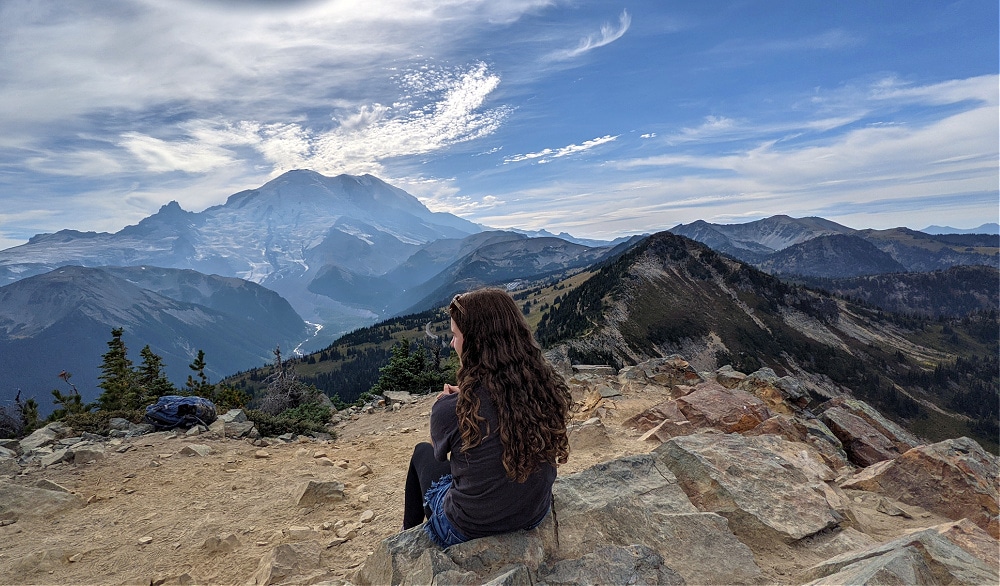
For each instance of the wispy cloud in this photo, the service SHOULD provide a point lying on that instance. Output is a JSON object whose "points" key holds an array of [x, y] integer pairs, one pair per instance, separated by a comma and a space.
{"points": [[444, 107], [609, 34], [546, 155]]}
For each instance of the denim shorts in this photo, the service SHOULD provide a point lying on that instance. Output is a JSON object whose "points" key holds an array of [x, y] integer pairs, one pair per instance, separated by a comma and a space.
{"points": [[438, 527]]}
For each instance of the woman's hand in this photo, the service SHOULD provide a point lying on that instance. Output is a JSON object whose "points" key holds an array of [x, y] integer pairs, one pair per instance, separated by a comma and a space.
{"points": [[448, 390]]}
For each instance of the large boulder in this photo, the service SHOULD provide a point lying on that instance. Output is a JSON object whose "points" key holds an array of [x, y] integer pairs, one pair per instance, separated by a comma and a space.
{"points": [[766, 386], [728, 410], [865, 445], [955, 478], [45, 436], [637, 500], [867, 436], [762, 494]]}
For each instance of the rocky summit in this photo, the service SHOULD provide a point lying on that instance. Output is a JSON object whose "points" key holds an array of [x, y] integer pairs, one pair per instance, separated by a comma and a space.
{"points": [[675, 477]]}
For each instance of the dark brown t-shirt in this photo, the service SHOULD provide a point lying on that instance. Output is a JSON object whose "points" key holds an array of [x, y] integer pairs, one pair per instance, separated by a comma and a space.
{"points": [[483, 500]]}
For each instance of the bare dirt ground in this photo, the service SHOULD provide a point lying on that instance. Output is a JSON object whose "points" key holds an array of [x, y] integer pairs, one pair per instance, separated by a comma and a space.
{"points": [[156, 515]]}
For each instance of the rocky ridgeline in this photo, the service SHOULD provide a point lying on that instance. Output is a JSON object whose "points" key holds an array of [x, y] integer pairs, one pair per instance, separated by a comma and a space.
{"points": [[739, 469], [739, 479]]}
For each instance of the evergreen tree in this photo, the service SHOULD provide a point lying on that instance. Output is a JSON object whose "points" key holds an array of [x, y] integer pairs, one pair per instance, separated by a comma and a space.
{"points": [[150, 377], [118, 379], [197, 384], [411, 371]]}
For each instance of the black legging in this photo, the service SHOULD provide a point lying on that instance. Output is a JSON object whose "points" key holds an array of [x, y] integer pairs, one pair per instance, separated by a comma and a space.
{"points": [[424, 470]]}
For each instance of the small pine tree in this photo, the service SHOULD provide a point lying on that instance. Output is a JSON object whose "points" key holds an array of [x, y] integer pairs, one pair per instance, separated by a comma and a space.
{"points": [[199, 386], [150, 378], [117, 377], [29, 413]]}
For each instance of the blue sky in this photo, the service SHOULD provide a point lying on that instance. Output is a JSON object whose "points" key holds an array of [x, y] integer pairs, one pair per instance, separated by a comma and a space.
{"points": [[596, 118]]}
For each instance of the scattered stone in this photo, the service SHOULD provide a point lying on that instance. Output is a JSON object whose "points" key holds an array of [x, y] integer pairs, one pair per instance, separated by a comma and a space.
{"points": [[261, 454], [47, 484], [56, 457], [728, 377], [397, 397], [137, 429], [27, 501], [589, 435], [87, 453], [233, 416], [324, 461], [299, 532], [196, 450], [316, 492], [884, 506], [367, 517], [223, 543], [291, 563], [48, 435], [349, 531], [145, 540], [363, 470], [595, 369], [241, 429], [607, 391]]}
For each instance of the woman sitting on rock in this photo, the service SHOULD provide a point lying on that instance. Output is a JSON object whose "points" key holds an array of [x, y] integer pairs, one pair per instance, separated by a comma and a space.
{"points": [[504, 427]]}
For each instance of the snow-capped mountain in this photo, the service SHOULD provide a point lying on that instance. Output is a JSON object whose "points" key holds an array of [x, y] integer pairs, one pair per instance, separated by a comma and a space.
{"points": [[281, 235]]}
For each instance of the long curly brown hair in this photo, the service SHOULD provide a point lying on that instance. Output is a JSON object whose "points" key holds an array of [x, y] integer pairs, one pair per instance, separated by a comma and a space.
{"points": [[532, 401]]}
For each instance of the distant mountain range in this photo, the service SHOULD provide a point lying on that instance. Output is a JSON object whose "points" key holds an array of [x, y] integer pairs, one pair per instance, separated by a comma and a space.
{"points": [[817, 247], [62, 320], [339, 253], [990, 228]]}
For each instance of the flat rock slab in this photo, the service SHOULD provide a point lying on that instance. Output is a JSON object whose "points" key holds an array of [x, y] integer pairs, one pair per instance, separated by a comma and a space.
{"points": [[28, 501], [746, 481], [637, 500], [922, 558]]}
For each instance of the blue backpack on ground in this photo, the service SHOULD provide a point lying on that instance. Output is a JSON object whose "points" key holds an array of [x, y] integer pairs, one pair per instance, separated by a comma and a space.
{"points": [[172, 411]]}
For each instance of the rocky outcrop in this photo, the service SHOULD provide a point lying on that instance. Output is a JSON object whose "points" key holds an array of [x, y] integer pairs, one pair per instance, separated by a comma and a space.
{"points": [[744, 468], [955, 478]]}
